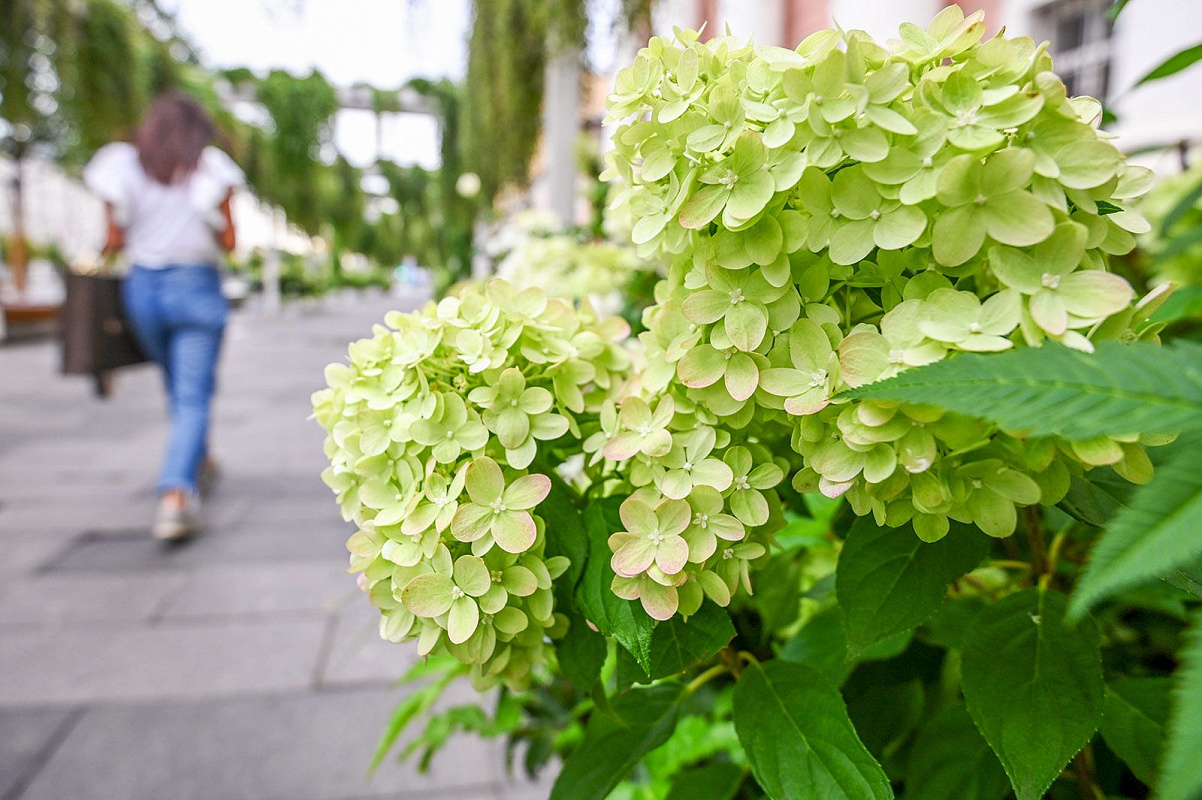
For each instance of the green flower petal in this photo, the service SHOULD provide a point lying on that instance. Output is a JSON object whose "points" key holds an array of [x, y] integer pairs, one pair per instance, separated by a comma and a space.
{"points": [[660, 602], [470, 522], [742, 376], [526, 492], [471, 575], [428, 595], [484, 481], [701, 366], [899, 228], [633, 558], [746, 323], [704, 206], [764, 241], [958, 235], [749, 195], [510, 620], [992, 513], [519, 581], [852, 241], [706, 307], [463, 620], [1094, 294], [1018, 219], [514, 531]]}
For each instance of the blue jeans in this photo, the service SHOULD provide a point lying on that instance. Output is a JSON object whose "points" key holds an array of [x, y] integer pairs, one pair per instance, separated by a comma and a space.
{"points": [[178, 314]]}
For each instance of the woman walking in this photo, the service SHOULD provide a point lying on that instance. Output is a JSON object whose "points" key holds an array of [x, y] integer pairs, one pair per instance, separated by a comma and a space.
{"points": [[167, 199]]}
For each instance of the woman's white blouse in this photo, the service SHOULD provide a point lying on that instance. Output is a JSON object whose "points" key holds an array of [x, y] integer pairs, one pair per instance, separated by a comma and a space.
{"points": [[164, 225]]}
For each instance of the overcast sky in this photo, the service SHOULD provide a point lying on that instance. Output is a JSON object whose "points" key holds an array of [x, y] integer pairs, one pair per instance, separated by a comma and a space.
{"points": [[381, 42]]}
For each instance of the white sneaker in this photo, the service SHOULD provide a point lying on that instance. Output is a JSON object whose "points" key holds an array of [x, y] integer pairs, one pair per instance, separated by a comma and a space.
{"points": [[174, 522]]}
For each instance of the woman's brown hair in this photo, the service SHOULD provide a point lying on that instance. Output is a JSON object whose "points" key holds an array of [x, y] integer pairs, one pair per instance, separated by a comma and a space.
{"points": [[172, 137]]}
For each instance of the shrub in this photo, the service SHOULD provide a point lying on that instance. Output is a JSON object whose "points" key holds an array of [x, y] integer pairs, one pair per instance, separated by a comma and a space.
{"points": [[871, 362]]}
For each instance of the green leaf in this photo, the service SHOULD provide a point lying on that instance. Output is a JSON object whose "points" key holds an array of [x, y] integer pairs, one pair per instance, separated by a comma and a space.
{"points": [[570, 539], [1187, 579], [1157, 532], [1054, 390], [612, 746], [821, 645], [1033, 686], [1173, 64], [883, 711], [1097, 498], [581, 652], [1181, 772], [950, 760], [677, 644], [1133, 726], [717, 781], [418, 702], [888, 580], [1183, 206], [794, 727], [625, 620], [951, 625]]}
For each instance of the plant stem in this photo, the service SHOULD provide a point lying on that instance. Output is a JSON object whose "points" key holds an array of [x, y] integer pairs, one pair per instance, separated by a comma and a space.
{"points": [[1009, 564], [705, 677], [1033, 522], [1087, 782]]}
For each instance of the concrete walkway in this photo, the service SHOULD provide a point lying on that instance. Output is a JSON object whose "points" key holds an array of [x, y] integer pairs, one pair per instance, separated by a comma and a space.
{"points": [[244, 664]]}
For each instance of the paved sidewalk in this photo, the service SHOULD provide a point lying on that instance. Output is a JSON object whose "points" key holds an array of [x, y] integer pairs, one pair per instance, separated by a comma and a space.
{"points": [[243, 665]]}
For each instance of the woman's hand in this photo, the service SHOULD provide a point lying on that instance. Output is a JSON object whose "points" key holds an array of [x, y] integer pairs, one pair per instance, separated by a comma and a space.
{"points": [[226, 238], [114, 240]]}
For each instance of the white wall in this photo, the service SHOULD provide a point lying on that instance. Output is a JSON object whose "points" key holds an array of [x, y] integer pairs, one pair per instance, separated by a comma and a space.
{"points": [[57, 208], [881, 18], [763, 20]]}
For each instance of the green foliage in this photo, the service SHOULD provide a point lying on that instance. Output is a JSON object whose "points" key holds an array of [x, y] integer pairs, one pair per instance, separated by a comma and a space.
{"points": [[952, 761], [507, 56], [1180, 60], [1133, 724], [1155, 533], [887, 584], [1181, 776], [678, 644], [1033, 686], [794, 727], [1120, 389], [642, 720]]}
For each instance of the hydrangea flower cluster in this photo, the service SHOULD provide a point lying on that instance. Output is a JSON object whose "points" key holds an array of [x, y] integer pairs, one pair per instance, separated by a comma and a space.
{"points": [[570, 268], [701, 510], [439, 432], [836, 214]]}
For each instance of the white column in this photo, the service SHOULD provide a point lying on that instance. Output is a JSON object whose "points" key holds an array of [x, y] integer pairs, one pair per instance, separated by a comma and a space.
{"points": [[561, 125]]}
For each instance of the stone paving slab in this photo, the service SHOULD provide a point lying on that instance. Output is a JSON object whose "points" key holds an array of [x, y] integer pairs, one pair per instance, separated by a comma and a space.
{"points": [[316, 747], [202, 660], [357, 654], [250, 589], [26, 737], [76, 600], [132, 550]]}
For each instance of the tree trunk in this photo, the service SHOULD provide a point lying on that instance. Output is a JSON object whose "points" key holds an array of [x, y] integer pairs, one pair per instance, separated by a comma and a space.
{"points": [[18, 251]]}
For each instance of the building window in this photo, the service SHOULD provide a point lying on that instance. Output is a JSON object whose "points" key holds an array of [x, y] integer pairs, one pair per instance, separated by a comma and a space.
{"points": [[1080, 33]]}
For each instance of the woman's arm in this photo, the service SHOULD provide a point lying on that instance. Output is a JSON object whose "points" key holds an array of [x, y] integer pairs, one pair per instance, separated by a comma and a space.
{"points": [[226, 237], [114, 240]]}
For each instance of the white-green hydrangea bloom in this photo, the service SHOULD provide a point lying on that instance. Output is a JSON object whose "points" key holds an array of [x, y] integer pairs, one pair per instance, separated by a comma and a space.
{"points": [[830, 216], [839, 213], [435, 427]]}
